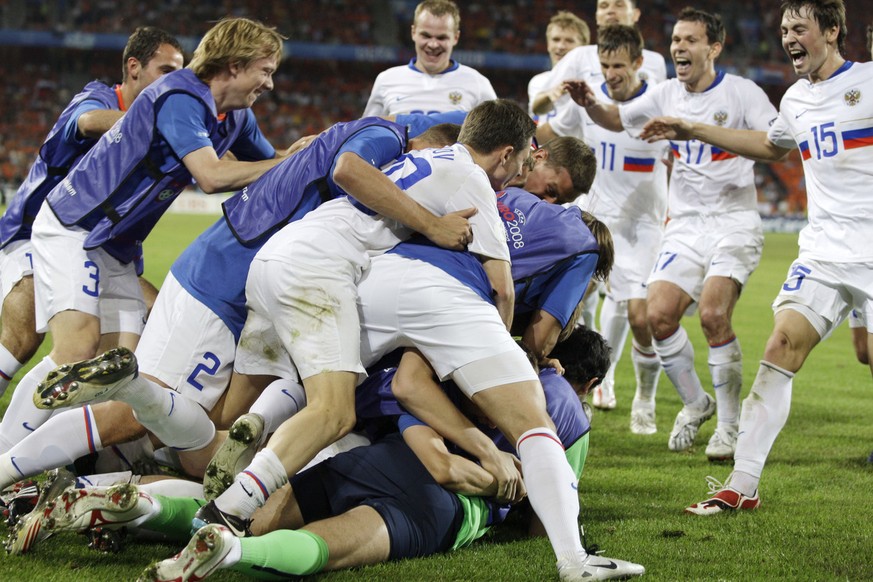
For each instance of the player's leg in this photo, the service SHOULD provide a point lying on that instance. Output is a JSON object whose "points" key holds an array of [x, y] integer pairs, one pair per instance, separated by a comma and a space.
{"points": [[18, 337], [717, 302], [809, 306], [614, 327], [667, 303], [67, 436], [647, 369]]}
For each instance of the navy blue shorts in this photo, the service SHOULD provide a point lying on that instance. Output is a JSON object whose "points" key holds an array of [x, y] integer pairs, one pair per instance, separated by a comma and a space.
{"points": [[422, 517]]}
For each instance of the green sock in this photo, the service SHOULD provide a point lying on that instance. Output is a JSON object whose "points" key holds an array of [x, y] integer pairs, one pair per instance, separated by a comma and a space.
{"points": [[283, 553], [174, 518]]}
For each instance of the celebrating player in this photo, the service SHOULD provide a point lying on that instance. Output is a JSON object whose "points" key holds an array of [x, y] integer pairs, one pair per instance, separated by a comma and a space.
{"points": [[825, 116]]}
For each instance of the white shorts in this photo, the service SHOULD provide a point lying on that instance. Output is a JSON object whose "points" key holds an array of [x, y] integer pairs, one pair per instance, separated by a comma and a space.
{"points": [[857, 319], [696, 248], [636, 248], [301, 312], [67, 277], [410, 303], [826, 292], [186, 346], [16, 262]]}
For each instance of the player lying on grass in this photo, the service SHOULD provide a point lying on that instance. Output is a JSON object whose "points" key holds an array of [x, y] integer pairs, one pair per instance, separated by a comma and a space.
{"points": [[384, 502]]}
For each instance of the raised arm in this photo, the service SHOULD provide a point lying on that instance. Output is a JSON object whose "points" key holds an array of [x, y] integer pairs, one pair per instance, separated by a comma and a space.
{"points": [[603, 114], [376, 191], [751, 144]]}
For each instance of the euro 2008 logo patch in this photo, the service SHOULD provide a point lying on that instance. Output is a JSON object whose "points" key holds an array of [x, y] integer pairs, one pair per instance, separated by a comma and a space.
{"points": [[720, 117], [455, 97], [852, 97]]}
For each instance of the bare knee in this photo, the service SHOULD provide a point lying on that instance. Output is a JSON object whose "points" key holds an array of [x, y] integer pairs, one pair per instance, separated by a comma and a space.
{"points": [[716, 323]]}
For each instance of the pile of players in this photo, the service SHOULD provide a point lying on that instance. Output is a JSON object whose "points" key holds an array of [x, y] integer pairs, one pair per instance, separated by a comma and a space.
{"points": [[355, 270]]}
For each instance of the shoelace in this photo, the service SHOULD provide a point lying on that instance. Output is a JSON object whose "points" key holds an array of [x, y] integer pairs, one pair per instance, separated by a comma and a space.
{"points": [[593, 549], [714, 484]]}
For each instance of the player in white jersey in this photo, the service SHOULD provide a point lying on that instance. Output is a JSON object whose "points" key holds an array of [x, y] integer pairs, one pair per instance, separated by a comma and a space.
{"points": [[827, 115], [714, 238], [584, 63], [432, 81], [565, 32], [302, 288], [630, 195]]}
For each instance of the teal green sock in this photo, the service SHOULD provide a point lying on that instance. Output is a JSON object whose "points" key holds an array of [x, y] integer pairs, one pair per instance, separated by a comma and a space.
{"points": [[283, 553], [175, 516]]}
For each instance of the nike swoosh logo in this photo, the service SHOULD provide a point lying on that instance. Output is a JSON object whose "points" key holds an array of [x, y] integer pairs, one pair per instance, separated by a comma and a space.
{"points": [[611, 566], [801, 113], [27, 427], [719, 385], [400, 97], [243, 485]]}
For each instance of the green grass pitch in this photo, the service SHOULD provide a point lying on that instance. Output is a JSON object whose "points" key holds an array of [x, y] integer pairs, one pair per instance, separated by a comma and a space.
{"points": [[814, 524]]}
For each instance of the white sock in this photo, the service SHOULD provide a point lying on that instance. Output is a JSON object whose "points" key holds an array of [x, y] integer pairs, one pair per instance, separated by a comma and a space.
{"points": [[614, 327], [9, 366], [279, 401], [677, 357], [765, 411], [179, 422], [589, 310], [551, 488], [61, 440], [647, 369], [726, 368], [22, 417], [254, 485]]}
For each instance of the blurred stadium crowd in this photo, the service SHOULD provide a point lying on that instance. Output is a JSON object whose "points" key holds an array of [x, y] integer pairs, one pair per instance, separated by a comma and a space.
{"points": [[311, 95]]}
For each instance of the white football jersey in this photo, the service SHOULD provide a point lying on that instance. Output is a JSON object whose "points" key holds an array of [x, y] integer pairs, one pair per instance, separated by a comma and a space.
{"points": [[831, 122], [706, 179], [631, 180], [583, 62], [441, 180], [405, 89]]}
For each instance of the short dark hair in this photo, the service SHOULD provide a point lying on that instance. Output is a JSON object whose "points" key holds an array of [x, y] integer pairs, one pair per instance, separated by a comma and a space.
{"points": [[615, 37], [714, 26], [584, 354], [144, 43], [827, 13], [443, 133], [495, 124], [577, 158]]}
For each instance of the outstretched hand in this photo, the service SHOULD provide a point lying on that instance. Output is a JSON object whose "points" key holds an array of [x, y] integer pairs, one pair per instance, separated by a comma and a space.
{"points": [[660, 128], [452, 231], [580, 92]]}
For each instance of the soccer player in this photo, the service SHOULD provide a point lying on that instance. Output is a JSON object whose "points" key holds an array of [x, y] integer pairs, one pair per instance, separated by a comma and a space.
{"points": [[825, 116], [713, 240], [583, 63], [432, 81], [88, 234], [565, 32], [630, 195], [149, 53]]}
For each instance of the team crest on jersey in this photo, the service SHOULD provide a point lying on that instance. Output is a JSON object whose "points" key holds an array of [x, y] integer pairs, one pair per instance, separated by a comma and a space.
{"points": [[455, 97], [720, 117], [852, 97]]}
